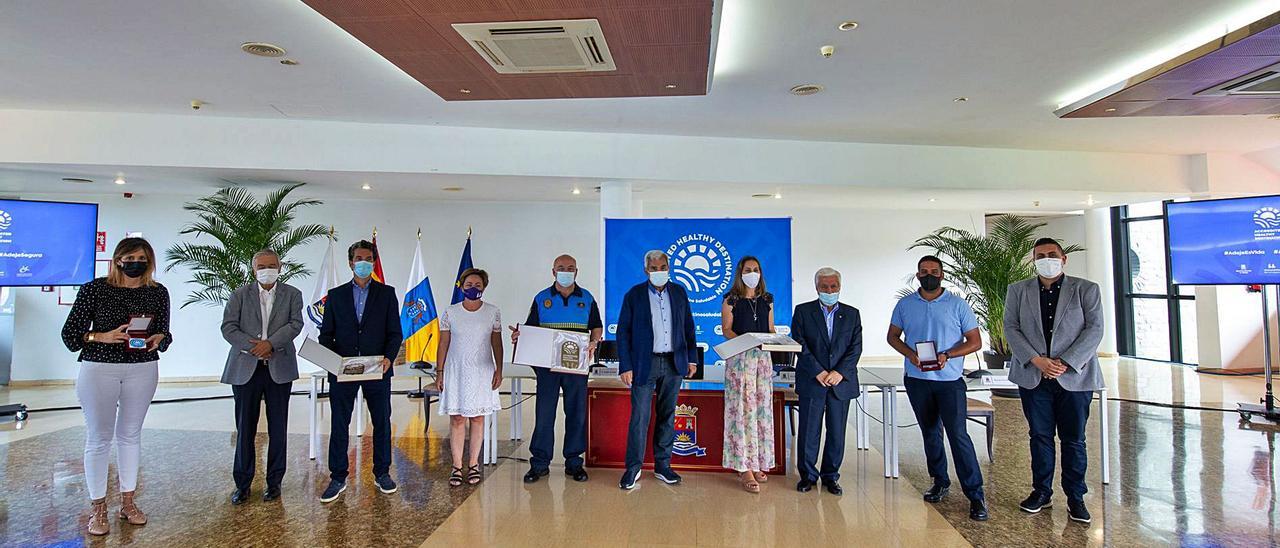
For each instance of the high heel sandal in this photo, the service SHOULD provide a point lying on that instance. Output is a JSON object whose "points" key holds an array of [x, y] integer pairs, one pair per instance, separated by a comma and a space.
{"points": [[455, 478], [473, 475], [749, 483]]}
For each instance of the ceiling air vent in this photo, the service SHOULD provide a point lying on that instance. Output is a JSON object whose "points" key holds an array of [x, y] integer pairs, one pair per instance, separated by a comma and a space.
{"points": [[1259, 82], [522, 47]]}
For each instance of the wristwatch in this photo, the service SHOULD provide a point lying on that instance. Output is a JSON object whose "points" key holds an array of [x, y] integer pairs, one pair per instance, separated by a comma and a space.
{"points": [[944, 353], [90, 337]]}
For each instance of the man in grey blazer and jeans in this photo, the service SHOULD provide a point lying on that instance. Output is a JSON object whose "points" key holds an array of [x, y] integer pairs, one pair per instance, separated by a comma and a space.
{"points": [[261, 321], [1053, 323]]}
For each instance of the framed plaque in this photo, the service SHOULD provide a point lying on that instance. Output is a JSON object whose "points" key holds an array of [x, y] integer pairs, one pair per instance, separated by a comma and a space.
{"points": [[554, 349]]}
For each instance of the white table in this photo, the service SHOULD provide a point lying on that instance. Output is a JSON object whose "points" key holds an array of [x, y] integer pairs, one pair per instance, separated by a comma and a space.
{"points": [[889, 378]]}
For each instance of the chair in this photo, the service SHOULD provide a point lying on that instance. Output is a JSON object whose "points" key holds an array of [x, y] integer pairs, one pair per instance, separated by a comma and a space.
{"points": [[980, 409]]}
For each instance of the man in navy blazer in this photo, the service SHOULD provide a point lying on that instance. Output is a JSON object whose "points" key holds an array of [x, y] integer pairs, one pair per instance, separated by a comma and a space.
{"points": [[656, 348], [361, 318], [830, 336]]}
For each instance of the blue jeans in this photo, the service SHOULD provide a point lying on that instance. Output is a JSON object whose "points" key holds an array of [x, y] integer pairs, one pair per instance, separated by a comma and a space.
{"points": [[665, 382], [1049, 407], [543, 442], [939, 406], [342, 402]]}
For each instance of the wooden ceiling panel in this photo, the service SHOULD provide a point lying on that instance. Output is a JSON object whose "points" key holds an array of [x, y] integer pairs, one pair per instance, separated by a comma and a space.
{"points": [[653, 43]]}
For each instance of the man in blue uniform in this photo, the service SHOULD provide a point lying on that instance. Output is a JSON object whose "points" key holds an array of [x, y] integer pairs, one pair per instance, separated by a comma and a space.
{"points": [[936, 390], [567, 307]]}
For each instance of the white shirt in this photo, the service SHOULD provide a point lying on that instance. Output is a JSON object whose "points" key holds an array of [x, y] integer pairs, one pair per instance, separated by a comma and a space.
{"points": [[268, 298]]}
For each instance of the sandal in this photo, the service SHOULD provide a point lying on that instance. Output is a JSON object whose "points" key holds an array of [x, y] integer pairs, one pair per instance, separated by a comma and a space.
{"points": [[455, 478], [473, 475], [761, 477], [749, 482]]}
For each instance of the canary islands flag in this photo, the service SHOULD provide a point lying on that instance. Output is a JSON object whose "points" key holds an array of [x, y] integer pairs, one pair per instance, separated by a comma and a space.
{"points": [[463, 264], [418, 320]]}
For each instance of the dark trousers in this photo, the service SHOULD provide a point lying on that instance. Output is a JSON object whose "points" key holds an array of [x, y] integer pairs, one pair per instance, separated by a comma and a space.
{"points": [[575, 418], [814, 411], [939, 406], [1051, 407], [248, 398], [342, 401], [663, 381]]}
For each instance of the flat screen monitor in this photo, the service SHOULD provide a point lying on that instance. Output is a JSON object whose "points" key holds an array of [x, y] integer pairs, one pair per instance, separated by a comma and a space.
{"points": [[1233, 241], [47, 243]]}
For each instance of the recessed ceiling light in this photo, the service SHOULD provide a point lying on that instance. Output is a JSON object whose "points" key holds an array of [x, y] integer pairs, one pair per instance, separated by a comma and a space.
{"points": [[932, 200], [80, 180], [777, 195], [464, 91], [119, 179], [670, 86], [961, 99], [806, 89], [1036, 203], [262, 49], [289, 62], [1110, 110], [577, 191], [452, 189], [366, 187], [847, 25]]}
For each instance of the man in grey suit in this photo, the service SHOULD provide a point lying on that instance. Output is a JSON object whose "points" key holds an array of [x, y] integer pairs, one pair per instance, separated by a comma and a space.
{"points": [[260, 321], [1053, 323]]}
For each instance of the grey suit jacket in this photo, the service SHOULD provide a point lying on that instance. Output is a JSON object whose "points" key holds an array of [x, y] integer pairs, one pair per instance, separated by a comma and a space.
{"points": [[1077, 332], [242, 321]]}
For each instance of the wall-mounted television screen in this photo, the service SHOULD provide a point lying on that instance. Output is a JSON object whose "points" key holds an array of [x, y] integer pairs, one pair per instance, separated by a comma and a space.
{"points": [[1233, 241], [47, 243]]}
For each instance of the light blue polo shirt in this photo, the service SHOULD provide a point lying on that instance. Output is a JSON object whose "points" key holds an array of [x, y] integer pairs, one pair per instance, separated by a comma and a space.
{"points": [[943, 320]]}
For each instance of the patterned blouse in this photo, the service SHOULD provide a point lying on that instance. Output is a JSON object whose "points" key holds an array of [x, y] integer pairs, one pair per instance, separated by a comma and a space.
{"points": [[102, 307]]}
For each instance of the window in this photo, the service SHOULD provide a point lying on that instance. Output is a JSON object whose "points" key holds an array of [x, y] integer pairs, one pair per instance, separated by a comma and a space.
{"points": [[1155, 320]]}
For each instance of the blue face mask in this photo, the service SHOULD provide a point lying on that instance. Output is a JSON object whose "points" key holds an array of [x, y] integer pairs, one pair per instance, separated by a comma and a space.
{"points": [[829, 299], [472, 293], [565, 279], [363, 269], [659, 278]]}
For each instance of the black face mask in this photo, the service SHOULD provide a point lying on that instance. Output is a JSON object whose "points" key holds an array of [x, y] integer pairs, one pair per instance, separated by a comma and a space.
{"points": [[133, 269], [930, 282]]}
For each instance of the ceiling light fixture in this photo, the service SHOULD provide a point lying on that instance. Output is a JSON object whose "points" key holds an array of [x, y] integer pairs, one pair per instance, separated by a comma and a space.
{"points": [[806, 89], [366, 187], [119, 179], [262, 49], [80, 180], [1089, 200], [464, 91], [1110, 110], [777, 195], [960, 100], [670, 86], [932, 200], [847, 25], [577, 191]]}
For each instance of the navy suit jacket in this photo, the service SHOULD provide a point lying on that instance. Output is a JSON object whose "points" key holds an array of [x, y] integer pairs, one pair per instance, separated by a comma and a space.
{"points": [[377, 335], [635, 332], [839, 352]]}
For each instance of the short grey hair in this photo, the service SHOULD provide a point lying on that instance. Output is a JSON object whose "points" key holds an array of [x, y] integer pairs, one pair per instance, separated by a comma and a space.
{"points": [[653, 255], [262, 253], [826, 272]]}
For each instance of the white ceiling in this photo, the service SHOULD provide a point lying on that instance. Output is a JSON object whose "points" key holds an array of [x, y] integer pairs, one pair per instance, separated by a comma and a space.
{"points": [[46, 179], [891, 80]]}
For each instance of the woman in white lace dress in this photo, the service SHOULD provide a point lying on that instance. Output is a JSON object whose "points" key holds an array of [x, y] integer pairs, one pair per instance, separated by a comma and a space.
{"points": [[469, 371]]}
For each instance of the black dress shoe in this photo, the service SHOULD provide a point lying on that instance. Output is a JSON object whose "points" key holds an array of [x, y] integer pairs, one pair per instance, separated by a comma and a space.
{"points": [[578, 474], [978, 510], [1036, 502], [272, 493], [533, 476], [239, 496], [935, 493], [1077, 512], [833, 488], [804, 486]]}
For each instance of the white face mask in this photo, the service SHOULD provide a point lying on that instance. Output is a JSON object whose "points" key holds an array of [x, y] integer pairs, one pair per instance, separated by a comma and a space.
{"points": [[752, 279], [1049, 267], [659, 278], [267, 276]]}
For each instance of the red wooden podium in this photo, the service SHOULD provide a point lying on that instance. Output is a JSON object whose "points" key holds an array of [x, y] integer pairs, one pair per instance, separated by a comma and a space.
{"points": [[699, 426]]}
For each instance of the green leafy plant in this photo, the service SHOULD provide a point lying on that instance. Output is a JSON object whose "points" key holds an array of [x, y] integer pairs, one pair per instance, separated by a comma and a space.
{"points": [[983, 266], [240, 226]]}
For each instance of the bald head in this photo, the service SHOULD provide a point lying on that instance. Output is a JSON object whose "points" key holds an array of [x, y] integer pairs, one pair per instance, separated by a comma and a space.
{"points": [[565, 270]]}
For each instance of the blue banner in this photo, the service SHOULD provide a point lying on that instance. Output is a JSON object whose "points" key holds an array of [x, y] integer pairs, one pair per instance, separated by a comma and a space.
{"points": [[704, 255], [47, 243]]}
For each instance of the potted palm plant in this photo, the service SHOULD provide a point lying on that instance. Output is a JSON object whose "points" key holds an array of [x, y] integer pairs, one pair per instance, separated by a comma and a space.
{"points": [[983, 266], [240, 226]]}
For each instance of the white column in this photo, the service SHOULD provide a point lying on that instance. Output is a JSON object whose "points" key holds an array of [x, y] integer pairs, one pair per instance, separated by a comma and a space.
{"points": [[1099, 259], [616, 202]]}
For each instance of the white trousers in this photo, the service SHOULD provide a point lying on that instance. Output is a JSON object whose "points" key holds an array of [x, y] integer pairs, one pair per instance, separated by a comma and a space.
{"points": [[115, 398]]}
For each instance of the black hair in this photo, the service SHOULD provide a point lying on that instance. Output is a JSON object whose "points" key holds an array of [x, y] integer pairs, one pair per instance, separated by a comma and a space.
{"points": [[930, 259], [362, 244], [1049, 241]]}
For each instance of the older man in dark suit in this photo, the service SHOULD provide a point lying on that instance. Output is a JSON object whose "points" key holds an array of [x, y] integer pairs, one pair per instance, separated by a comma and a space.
{"points": [[830, 336], [260, 321]]}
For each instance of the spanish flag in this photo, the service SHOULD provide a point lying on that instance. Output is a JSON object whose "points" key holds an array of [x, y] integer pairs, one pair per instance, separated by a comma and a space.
{"points": [[418, 320], [377, 260]]}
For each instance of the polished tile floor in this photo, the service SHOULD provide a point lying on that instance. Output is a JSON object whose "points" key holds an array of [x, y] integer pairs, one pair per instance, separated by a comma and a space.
{"points": [[1179, 477]]}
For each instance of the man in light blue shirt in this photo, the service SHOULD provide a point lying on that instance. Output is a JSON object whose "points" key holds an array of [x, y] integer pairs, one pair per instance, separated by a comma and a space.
{"points": [[660, 308], [938, 397]]}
